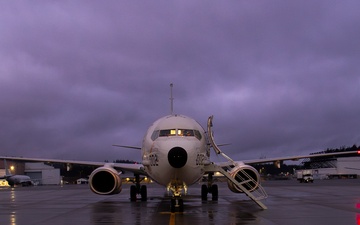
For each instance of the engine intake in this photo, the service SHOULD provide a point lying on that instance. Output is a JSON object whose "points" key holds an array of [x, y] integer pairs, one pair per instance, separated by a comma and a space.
{"points": [[243, 173], [105, 181]]}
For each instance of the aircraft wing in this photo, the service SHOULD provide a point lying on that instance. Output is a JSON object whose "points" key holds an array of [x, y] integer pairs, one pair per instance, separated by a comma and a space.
{"points": [[265, 160], [290, 158], [296, 158], [134, 168]]}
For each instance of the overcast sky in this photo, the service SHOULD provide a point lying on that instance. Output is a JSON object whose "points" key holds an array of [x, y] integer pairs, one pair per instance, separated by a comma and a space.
{"points": [[280, 77]]}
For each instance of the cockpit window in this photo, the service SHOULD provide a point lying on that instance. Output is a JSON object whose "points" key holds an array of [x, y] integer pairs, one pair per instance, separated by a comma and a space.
{"points": [[155, 135], [187, 133], [176, 132], [167, 133], [197, 134]]}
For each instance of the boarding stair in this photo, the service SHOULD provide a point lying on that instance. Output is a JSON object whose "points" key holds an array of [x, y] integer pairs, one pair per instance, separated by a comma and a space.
{"points": [[242, 180]]}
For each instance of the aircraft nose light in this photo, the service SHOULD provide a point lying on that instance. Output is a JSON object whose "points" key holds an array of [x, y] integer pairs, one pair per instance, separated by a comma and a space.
{"points": [[177, 157]]}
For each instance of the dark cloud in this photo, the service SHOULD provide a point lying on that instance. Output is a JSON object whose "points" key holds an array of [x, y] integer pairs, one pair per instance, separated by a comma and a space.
{"points": [[281, 78]]}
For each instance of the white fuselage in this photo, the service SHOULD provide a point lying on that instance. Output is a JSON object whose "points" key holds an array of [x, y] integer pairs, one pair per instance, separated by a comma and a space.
{"points": [[18, 179], [174, 151]]}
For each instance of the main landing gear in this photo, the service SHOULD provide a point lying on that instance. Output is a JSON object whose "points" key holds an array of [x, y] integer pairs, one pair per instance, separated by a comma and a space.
{"points": [[213, 189], [138, 189], [210, 188]]}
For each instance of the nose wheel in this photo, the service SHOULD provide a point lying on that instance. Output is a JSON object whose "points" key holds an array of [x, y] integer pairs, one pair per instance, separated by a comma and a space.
{"points": [[177, 203]]}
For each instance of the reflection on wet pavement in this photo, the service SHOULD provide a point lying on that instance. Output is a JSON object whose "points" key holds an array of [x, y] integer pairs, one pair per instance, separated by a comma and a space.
{"points": [[288, 203]]}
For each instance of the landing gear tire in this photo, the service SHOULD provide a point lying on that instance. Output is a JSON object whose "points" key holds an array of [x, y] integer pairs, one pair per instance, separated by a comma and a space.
{"points": [[133, 193], [177, 202], [204, 192], [143, 193], [181, 205], [215, 192], [172, 205]]}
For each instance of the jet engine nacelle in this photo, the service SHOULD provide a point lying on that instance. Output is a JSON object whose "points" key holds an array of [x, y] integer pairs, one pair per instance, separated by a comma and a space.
{"points": [[243, 173], [105, 181]]}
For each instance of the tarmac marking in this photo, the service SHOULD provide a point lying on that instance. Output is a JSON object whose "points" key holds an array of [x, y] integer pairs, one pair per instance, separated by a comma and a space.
{"points": [[172, 219], [172, 216]]}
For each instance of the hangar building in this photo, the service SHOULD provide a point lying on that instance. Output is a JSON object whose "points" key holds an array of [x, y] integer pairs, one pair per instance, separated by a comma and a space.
{"points": [[44, 174], [343, 167], [40, 173]]}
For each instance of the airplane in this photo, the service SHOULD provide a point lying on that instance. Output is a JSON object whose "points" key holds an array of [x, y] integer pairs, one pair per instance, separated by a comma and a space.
{"points": [[16, 179], [175, 153]]}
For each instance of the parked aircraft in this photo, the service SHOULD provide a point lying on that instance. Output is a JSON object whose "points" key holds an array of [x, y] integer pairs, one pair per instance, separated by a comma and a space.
{"points": [[176, 154], [16, 179]]}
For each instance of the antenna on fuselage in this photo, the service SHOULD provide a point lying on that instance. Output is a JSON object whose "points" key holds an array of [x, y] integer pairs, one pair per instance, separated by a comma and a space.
{"points": [[171, 99]]}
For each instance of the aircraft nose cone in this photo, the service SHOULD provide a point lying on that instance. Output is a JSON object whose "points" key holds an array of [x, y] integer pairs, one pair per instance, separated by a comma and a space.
{"points": [[177, 157]]}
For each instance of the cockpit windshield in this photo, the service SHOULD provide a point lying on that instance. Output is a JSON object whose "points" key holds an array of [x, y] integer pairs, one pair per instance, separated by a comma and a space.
{"points": [[176, 132], [167, 133], [183, 132]]}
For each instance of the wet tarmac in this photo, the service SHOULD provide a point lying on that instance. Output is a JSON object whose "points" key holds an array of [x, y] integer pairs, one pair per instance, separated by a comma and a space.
{"points": [[289, 203]]}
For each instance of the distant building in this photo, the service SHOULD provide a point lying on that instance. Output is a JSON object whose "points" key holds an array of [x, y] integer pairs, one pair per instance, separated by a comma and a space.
{"points": [[15, 167], [42, 174], [344, 167], [39, 173]]}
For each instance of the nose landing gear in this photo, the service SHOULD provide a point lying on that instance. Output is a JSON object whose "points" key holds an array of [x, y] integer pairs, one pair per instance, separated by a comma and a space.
{"points": [[177, 203]]}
